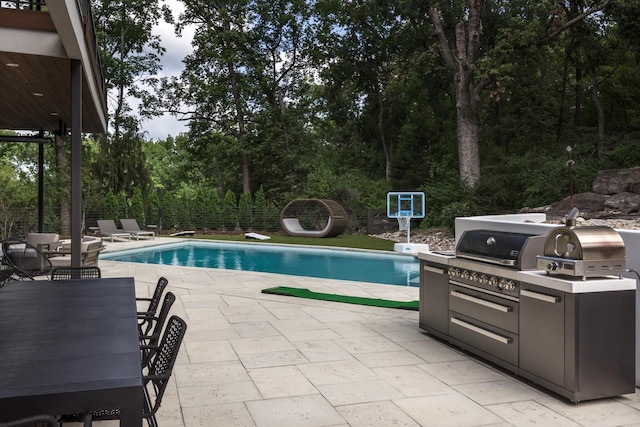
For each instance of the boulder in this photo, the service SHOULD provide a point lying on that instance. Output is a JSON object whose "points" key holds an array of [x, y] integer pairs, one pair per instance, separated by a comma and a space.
{"points": [[624, 202], [589, 204], [617, 181]]}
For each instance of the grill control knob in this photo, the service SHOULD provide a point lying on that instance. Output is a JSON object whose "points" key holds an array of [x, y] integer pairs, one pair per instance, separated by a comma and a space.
{"points": [[493, 281], [510, 285], [552, 266], [474, 277], [465, 274], [484, 279]]}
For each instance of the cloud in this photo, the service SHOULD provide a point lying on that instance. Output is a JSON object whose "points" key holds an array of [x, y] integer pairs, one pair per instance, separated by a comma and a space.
{"points": [[177, 48]]}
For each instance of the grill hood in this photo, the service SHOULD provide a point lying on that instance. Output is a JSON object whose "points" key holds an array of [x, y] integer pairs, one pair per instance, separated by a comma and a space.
{"points": [[515, 250]]}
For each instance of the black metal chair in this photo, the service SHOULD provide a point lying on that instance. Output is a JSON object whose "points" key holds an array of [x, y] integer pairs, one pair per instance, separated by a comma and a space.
{"points": [[9, 272], [39, 420], [70, 273], [157, 378], [27, 260], [149, 342], [145, 317]]}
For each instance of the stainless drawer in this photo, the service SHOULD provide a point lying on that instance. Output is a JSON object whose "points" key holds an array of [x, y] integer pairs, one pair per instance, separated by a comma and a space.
{"points": [[486, 308], [487, 338]]}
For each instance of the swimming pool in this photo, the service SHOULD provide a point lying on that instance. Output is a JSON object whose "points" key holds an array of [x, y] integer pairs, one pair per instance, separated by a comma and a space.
{"points": [[360, 266]]}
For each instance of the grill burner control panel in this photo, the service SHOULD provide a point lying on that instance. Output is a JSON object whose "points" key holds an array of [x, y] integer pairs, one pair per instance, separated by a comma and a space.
{"points": [[490, 282]]}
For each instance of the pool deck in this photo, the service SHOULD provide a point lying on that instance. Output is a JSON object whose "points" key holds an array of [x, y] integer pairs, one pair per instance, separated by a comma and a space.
{"points": [[252, 359]]}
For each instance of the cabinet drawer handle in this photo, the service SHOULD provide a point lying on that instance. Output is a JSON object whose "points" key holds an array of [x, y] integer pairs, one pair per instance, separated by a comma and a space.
{"points": [[488, 334], [432, 269], [540, 297], [480, 301]]}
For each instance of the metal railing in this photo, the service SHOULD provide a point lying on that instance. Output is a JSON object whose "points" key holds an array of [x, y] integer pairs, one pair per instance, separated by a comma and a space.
{"points": [[23, 4], [17, 222]]}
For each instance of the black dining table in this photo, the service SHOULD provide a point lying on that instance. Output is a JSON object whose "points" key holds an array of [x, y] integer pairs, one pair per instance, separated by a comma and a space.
{"points": [[70, 346]]}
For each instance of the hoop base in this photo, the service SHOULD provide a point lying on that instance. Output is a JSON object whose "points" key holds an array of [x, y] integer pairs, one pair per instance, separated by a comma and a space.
{"points": [[410, 248]]}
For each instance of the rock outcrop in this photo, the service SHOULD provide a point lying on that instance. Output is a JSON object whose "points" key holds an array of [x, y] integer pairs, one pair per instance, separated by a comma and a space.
{"points": [[616, 194]]}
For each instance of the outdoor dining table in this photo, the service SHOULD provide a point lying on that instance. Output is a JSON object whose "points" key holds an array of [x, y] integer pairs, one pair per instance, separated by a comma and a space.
{"points": [[70, 346]]}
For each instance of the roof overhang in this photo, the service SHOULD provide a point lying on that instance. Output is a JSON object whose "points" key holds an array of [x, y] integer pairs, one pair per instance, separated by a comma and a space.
{"points": [[36, 49]]}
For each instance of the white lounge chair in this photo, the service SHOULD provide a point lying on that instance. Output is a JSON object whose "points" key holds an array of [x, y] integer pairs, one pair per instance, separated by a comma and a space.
{"points": [[108, 229], [131, 226]]}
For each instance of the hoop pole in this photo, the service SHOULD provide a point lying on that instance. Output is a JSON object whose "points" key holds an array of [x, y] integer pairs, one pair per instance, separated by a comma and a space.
{"points": [[409, 229]]}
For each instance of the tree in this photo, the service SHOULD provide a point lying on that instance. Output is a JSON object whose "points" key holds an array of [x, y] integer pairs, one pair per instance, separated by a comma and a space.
{"points": [[136, 207], [130, 56], [458, 30], [229, 211], [459, 45], [245, 217], [246, 57]]}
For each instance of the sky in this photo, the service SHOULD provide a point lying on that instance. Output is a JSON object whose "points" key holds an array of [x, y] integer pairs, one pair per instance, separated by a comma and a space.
{"points": [[177, 48]]}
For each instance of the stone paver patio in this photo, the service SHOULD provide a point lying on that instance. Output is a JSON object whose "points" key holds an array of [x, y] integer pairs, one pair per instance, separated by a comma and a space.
{"points": [[251, 359]]}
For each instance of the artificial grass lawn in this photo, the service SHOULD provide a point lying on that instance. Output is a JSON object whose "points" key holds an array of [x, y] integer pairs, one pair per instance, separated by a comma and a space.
{"points": [[357, 241], [375, 302]]}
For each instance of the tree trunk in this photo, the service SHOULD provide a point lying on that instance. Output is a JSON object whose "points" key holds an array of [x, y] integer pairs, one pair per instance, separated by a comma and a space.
{"points": [[467, 129], [463, 62], [65, 207], [595, 95], [387, 146], [244, 163]]}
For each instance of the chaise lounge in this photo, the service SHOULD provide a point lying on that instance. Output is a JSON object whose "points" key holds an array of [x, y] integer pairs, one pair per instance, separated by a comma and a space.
{"points": [[108, 229], [131, 226]]}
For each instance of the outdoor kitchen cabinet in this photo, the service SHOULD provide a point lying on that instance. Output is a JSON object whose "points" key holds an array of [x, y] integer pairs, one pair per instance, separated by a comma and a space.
{"points": [[542, 333], [580, 345], [434, 299]]}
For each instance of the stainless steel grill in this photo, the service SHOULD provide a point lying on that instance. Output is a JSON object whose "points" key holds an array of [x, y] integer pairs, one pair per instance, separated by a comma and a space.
{"points": [[583, 252], [489, 259], [479, 298]]}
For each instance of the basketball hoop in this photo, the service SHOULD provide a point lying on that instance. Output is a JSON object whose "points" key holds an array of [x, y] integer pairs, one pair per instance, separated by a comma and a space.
{"points": [[403, 206], [403, 223]]}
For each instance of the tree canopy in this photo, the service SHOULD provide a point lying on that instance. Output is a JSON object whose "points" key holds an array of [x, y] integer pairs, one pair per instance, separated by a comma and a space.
{"points": [[472, 101]]}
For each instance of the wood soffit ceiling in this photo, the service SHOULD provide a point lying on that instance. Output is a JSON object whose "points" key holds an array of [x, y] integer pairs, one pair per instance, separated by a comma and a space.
{"points": [[36, 94]]}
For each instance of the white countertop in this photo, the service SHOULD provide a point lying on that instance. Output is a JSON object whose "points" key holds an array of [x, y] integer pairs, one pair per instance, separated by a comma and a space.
{"points": [[578, 286], [542, 278]]}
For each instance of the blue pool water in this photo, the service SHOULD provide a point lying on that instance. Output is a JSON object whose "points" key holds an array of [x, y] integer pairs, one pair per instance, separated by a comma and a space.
{"points": [[361, 266]]}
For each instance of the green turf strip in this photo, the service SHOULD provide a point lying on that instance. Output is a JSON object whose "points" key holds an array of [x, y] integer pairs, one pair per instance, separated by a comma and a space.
{"points": [[376, 302]]}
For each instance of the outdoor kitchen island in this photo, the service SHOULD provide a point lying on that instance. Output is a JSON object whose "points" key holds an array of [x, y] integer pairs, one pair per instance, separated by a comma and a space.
{"points": [[574, 337]]}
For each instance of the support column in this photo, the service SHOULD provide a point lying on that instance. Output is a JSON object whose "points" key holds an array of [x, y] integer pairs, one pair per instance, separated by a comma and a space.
{"points": [[40, 186], [76, 162]]}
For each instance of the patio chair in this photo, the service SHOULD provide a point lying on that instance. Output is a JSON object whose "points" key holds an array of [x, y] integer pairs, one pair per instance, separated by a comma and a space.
{"points": [[27, 260], [154, 302], [89, 250], [40, 420], [157, 378], [108, 229], [131, 226], [149, 342], [71, 273], [8, 273], [43, 241]]}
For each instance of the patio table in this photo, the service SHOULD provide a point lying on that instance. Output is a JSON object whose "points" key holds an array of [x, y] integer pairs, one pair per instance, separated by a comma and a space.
{"points": [[70, 347]]}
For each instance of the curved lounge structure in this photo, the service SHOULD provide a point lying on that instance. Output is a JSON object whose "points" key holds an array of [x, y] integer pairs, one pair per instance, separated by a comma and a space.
{"points": [[321, 218]]}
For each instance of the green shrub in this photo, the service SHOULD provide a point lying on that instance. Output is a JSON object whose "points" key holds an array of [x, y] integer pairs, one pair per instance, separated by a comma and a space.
{"points": [[260, 210], [244, 211], [136, 207], [229, 208], [152, 210]]}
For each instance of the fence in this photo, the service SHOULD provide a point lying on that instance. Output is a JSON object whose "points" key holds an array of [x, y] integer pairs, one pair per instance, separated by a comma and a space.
{"points": [[17, 222]]}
